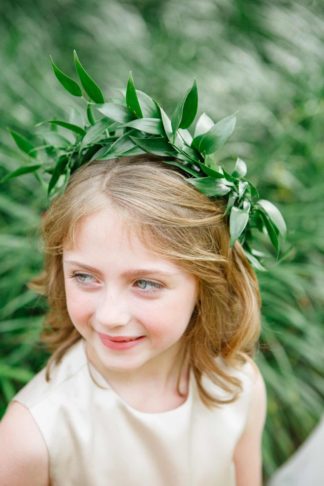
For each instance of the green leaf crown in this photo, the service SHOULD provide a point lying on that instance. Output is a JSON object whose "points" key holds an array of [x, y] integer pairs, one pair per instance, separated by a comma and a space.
{"points": [[133, 123]]}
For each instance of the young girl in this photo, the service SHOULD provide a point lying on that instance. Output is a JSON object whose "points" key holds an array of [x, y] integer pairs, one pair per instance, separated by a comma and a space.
{"points": [[153, 316]]}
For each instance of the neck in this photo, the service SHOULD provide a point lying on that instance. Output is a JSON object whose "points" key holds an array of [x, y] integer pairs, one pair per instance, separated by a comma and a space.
{"points": [[157, 386]]}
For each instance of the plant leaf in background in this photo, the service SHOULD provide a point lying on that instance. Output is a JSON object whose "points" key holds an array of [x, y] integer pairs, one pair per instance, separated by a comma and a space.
{"points": [[21, 171]]}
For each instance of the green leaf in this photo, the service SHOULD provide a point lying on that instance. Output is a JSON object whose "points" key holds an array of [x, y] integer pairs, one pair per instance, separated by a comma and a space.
{"points": [[242, 187], [23, 144], [117, 148], [149, 107], [88, 83], [146, 125], [68, 83], [22, 170], [186, 136], [210, 186], [257, 219], [253, 191], [166, 122], [132, 99], [232, 198], [90, 115], [240, 169], [157, 146], [255, 262], [209, 142], [210, 161], [15, 373], [274, 215], [179, 139], [135, 150], [238, 220], [203, 125], [116, 112], [272, 232], [69, 126], [184, 168], [8, 388], [228, 176], [185, 112], [96, 132], [188, 154], [209, 171], [58, 171], [122, 145]]}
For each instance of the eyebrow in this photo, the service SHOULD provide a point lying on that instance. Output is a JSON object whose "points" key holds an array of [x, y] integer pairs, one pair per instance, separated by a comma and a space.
{"points": [[130, 273]]}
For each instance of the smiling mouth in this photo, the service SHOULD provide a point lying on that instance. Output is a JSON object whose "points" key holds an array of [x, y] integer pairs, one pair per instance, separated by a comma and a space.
{"points": [[120, 343], [122, 339]]}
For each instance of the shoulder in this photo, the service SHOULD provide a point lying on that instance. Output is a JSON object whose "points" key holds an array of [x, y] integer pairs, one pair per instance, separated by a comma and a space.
{"points": [[254, 388], [251, 369], [247, 454], [247, 374], [24, 456], [34, 393], [257, 399]]}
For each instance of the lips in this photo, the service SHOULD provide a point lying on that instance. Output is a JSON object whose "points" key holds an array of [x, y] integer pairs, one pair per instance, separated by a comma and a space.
{"points": [[120, 343], [122, 339]]}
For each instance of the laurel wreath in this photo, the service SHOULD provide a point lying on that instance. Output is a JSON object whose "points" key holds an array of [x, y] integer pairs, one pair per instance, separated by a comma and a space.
{"points": [[133, 123]]}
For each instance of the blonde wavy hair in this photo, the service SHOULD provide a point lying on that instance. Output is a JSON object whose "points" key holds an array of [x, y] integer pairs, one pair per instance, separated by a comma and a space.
{"points": [[187, 228]]}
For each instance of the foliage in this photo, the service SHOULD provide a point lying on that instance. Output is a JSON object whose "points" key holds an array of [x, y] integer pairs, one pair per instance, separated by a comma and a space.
{"points": [[260, 58]]}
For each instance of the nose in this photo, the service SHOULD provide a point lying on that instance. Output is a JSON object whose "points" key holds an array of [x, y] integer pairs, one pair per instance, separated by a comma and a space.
{"points": [[112, 309]]}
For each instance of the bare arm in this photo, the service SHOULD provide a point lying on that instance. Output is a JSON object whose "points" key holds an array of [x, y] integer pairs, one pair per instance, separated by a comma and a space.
{"points": [[24, 457], [247, 455]]}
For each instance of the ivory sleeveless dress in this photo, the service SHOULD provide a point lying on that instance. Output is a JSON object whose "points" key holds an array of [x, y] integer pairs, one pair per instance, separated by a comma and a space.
{"points": [[94, 438]]}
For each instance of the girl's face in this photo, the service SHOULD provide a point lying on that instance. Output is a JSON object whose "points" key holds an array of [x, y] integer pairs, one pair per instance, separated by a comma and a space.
{"points": [[130, 305]]}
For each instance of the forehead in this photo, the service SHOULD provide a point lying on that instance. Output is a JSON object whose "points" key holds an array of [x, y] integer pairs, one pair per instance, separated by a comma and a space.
{"points": [[113, 235]]}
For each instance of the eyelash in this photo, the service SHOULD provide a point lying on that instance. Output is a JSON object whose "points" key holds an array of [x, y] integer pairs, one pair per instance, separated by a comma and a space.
{"points": [[156, 286]]}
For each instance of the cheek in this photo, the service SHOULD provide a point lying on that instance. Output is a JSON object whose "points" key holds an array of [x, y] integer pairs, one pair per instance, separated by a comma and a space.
{"points": [[168, 324], [78, 305]]}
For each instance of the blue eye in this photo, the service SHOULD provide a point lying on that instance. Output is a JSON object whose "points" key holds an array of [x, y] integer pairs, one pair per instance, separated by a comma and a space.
{"points": [[145, 285], [82, 277], [152, 285]]}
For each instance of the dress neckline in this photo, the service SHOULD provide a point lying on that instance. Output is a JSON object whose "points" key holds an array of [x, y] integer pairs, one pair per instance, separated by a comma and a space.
{"points": [[101, 382]]}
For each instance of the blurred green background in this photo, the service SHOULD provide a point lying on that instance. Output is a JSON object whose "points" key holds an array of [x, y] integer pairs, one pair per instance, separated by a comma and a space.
{"points": [[262, 59]]}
